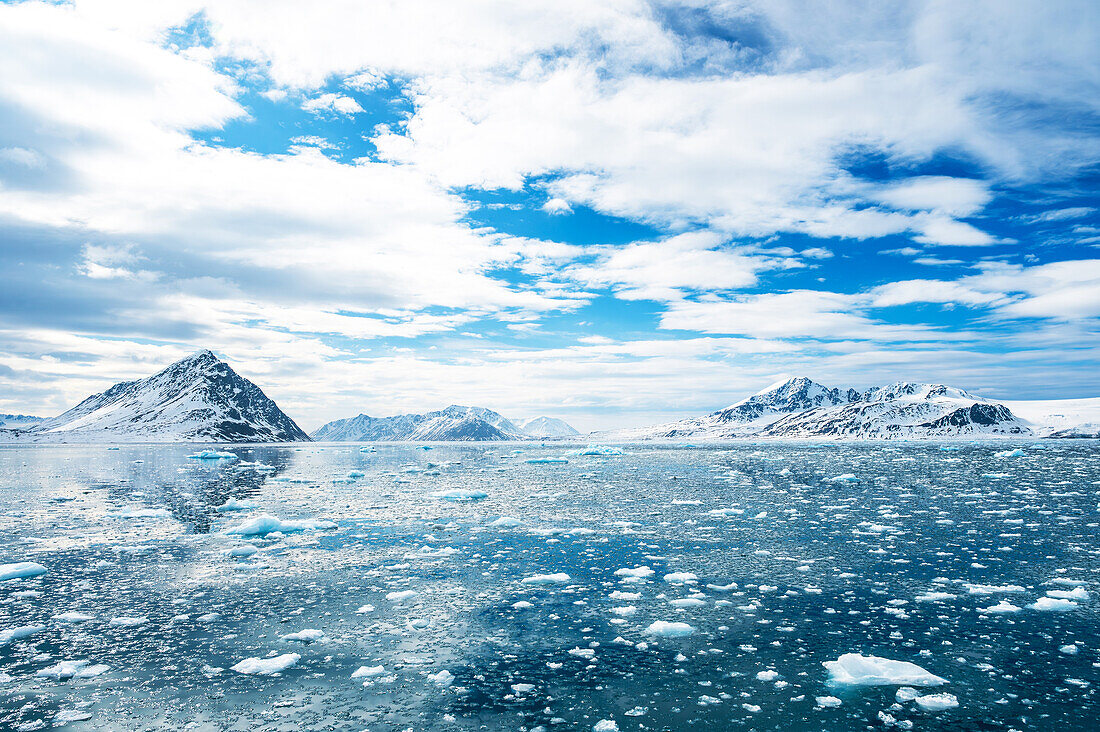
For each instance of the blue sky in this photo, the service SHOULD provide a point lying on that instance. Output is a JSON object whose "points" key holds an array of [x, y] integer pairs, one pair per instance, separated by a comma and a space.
{"points": [[612, 212]]}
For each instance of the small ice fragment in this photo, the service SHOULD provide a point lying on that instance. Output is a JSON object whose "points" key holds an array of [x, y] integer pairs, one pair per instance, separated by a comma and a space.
{"points": [[557, 578], [266, 524], [128, 621], [1009, 453], [854, 669], [845, 478], [641, 571], [401, 595], [1077, 593], [72, 669], [681, 578], [23, 631], [442, 678], [1069, 650], [506, 522], [266, 666], [368, 671], [605, 725], [73, 617], [235, 504], [212, 455], [936, 702], [1002, 607], [461, 495], [19, 570], [827, 702], [669, 630], [1053, 604]]}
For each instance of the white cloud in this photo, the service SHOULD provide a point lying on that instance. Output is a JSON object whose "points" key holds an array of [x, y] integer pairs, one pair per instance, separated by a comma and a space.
{"points": [[332, 103]]}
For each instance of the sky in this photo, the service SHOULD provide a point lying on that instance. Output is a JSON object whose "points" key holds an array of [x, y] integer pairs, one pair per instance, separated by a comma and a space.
{"points": [[615, 212]]}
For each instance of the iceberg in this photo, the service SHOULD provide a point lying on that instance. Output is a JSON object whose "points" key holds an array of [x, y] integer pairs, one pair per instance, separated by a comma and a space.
{"points": [[19, 570], [266, 523], [854, 669], [213, 455], [669, 630], [266, 666]]}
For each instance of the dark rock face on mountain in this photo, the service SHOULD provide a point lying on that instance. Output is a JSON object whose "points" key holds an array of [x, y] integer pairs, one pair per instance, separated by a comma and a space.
{"points": [[197, 399], [793, 395]]}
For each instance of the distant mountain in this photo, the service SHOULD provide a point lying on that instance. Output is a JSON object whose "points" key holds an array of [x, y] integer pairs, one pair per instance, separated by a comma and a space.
{"points": [[18, 421], [801, 407], [542, 428], [198, 399], [453, 423], [903, 410]]}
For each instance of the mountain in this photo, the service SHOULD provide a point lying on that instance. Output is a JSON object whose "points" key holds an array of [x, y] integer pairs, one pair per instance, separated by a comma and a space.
{"points": [[453, 423], [542, 428], [198, 399], [903, 410], [18, 421], [800, 408], [1060, 417], [747, 417]]}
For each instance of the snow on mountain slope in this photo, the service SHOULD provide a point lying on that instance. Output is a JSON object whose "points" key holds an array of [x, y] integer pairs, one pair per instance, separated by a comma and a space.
{"points": [[197, 399], [800, 407], [546, 427], [744, 418], [1060, 417], [453, 423], [903, 411]]}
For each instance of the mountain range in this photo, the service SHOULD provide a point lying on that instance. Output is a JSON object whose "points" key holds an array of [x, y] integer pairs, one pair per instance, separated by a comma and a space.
{"points": [[453, 423], [201, 399]]}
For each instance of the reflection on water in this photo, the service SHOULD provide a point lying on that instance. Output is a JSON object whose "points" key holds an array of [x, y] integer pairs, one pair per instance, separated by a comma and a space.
{"points": [[464, 587]]}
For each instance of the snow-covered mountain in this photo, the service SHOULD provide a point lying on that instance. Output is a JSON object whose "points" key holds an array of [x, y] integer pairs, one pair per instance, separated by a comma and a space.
{"points": [[453, 423], [747, 417], [903, 410], [803, 408], [18, 421], [198, 399], [542, 428]]}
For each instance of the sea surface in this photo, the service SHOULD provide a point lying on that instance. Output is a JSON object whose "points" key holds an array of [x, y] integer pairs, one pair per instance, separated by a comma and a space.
{"points": [[529, 587]]}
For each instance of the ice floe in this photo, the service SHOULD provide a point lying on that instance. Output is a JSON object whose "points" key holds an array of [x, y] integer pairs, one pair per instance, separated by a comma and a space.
{"points": [[266, 666], [854, 669]]}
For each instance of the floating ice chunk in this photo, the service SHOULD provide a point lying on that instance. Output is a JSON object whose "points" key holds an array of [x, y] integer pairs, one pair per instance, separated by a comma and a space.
{"points": [[128, 621], [605, 725], [72, 669], [1053, 604], [1069, 650], [636, 572], [521, 605], [936, 702], [442, 678], [992, 589], [19, 570], [356, 474], [582, 652], [557, 578], [212, 455], [73, 617], [364, 609], [681, 578], [401, 595], [242, 552], [461, 495], [726, 512], [669, 630], [1002, 607], [23, 631], [687, 602], [267, 524], [266, 666], [308, 635], [769, 675], [368, 671], [1077, 593], [601, 450], [827, 702], [845, 478], [854, 669], [934, 597], [140, 513], [723, 588], [625, 611], [506, 522], [235, 504], [522, 688], [906, 694], [1009, 453], [64, 716]]}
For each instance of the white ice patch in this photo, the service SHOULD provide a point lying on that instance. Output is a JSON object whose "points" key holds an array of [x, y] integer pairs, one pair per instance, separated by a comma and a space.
{"points": [[854, 669], [557, 578], [235, 504], [936, 702], [72, 669], [461, 495], [669, 630], [368, 671], [308, 635], [23, 631], [127, 621], [1002, 607], [266, 523], [1053, 604], [19, 570], [266, 666]]}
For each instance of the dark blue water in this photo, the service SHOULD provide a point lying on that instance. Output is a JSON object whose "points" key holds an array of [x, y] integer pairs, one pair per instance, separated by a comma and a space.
{"points": [[775, 567]]}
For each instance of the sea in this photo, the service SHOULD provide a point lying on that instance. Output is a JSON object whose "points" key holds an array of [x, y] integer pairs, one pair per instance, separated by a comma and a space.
{"points": [[551, 586]]}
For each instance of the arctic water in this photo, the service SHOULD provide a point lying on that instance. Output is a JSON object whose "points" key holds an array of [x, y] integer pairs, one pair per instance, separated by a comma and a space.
{"points": [[531, 587]]}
